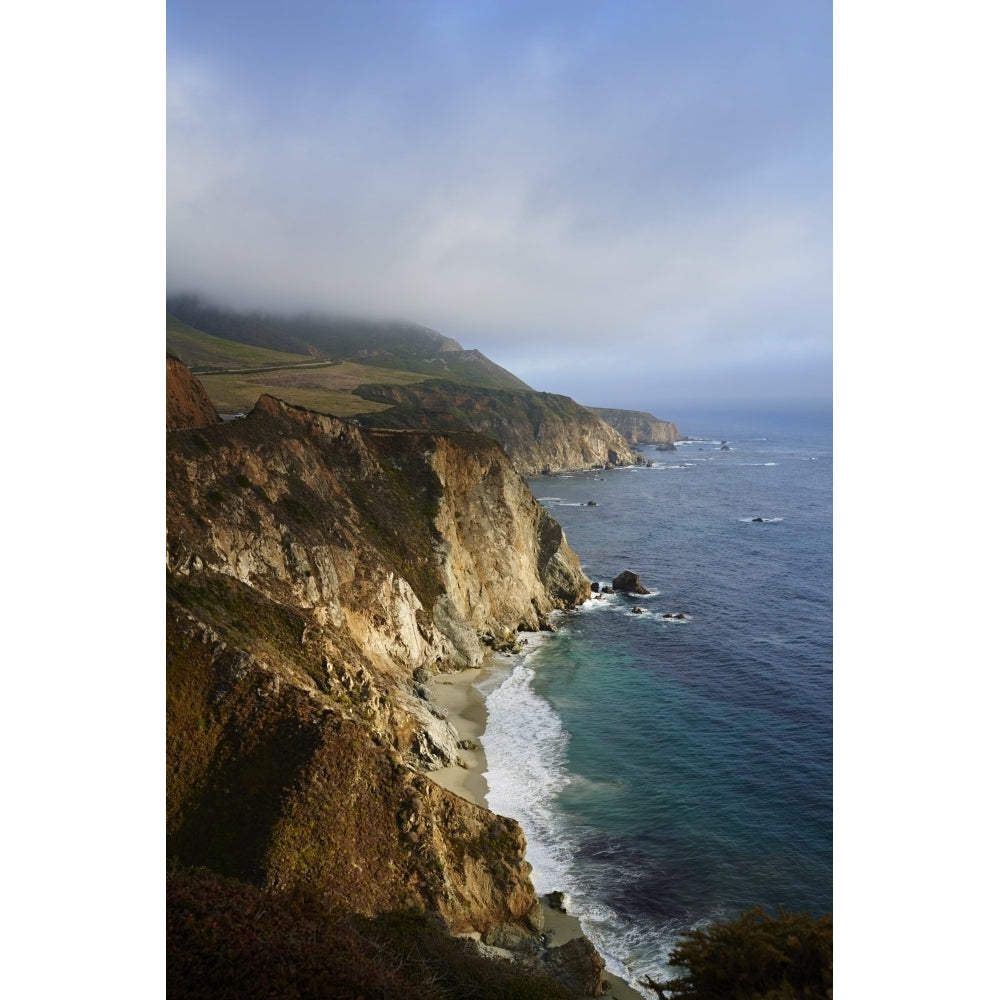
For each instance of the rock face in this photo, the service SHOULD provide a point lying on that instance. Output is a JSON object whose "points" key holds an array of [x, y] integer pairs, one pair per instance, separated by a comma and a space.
{"points": [[315, 572], [638, 427], [578, 967], [188, 404], [540, 431], [629, 582]]}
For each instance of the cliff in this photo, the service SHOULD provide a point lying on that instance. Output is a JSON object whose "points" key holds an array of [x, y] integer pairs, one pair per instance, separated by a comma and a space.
{"points": [[638, 427], [188, 404], [316, 574], [541, 432]]}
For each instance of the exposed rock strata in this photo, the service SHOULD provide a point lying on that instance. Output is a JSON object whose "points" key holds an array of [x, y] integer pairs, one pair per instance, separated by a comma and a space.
{"points": [[638, 427], [540, 431], [188, 404], [315, 570]]}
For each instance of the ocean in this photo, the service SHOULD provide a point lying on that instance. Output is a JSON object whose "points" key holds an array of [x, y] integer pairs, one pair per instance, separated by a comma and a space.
{"points": [[670, 772]]}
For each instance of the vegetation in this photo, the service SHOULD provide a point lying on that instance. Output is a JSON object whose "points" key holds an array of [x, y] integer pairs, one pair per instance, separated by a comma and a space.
{"points": [[395, 345], [755, 957], [326, 390], [228, 940], [236, 374], [200, 350]]}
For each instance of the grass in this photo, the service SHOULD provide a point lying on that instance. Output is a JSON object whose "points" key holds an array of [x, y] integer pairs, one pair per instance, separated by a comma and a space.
{"points": [[238, 394], [326, 390], [198, 350]]}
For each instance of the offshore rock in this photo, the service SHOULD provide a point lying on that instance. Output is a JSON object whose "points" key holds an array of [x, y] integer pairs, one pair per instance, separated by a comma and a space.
{"points": [[629, 582]]}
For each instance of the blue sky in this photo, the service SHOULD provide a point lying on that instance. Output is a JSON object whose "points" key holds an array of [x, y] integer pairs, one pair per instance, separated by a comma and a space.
{"points": [[627, 202]]}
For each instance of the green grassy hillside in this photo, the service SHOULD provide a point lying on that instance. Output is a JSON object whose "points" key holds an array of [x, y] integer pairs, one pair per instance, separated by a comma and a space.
{"points": [[395, 345], [202, 351]]}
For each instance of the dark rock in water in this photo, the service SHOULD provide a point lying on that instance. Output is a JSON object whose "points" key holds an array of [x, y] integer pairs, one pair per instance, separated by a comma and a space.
{"points": [[758, 520], [669, 614], [637, 610], [595, 586], [557, 900], [591, 503], [607, 590], [669, 446], [629, 582], [680, 615]]}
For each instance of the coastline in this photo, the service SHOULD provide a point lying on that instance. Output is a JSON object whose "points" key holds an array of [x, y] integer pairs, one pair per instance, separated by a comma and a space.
{"points": [[465, 704]]}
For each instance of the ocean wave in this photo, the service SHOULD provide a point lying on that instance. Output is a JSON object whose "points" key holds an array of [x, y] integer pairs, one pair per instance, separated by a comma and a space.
{"points": [[525, 746]]}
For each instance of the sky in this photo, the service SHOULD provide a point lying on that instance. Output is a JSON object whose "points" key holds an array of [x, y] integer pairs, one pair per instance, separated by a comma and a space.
{"points": [[626, 202]]}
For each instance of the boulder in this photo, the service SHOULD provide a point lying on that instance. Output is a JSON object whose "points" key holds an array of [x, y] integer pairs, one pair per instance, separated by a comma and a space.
{"points": [[629, 582], [510, 937], [577, 966], [557, 900]]}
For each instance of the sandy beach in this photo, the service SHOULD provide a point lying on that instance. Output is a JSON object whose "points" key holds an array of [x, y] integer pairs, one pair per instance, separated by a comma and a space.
{"points": [[466, 707]]}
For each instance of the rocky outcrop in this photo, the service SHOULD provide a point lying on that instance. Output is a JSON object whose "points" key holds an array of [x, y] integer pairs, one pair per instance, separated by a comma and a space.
{"points": [[188, 404], [578, 967], [629, 582], [540, 431], [315, 572], [639, 428]]}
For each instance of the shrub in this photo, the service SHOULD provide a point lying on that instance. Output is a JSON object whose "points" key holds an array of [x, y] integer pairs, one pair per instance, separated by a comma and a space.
{"points": [[755, 957]]}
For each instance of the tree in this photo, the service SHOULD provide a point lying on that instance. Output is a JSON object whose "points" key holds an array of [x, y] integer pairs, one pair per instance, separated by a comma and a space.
{"points": [[754, 957]]}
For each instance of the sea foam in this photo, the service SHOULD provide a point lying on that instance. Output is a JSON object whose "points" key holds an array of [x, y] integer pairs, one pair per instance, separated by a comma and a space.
{"points": [[525, 746]]}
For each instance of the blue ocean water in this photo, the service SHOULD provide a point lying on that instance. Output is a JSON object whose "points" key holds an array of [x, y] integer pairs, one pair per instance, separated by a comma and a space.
{"points": [[669, 772]]}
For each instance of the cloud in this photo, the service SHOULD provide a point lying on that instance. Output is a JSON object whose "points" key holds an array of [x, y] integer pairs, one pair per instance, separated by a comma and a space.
{"points": [[504, 176]]}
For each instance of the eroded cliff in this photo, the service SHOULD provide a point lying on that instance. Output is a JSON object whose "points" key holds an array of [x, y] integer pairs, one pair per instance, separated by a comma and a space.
{"points": [[188, 404], [638, 427], [540, 431], [316, 572]]}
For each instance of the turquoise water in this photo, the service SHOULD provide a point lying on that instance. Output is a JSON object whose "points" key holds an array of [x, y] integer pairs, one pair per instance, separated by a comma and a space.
{"points": [[669, 772]]}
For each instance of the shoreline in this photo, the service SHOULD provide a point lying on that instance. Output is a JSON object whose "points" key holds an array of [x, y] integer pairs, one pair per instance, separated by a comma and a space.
{"points": [[466, 707]]}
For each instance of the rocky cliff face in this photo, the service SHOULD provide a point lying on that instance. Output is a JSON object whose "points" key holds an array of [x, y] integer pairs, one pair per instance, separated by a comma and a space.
{"points": [[638, 427], [188, 404], [316, 573], [540, 431]]}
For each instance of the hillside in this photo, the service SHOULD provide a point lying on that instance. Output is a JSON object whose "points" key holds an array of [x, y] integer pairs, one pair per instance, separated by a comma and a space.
{"points": [[317, 572], [402, 376], [541, 432], [639, 428], [396, 345]]}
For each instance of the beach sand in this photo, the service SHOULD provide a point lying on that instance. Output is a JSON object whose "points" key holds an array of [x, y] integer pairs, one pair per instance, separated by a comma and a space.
{"points": [[466, 709]]}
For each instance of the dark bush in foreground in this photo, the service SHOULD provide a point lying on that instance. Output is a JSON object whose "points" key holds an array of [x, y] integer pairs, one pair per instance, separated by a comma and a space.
{"points": [[755, 957], [227, 940]]}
